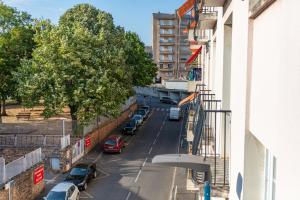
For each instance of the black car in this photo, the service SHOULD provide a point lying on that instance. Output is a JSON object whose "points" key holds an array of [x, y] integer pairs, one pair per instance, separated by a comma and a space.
{"points": [[142, 112], [168, 100], [81, 174], [130, 127], [147, 108]]}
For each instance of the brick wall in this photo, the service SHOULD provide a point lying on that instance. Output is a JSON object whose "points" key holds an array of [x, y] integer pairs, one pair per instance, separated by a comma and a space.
{"points": [[101, 133], [23, 187]]}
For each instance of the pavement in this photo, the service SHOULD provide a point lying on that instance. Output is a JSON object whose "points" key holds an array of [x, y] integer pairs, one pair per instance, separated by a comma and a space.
{"points": [[131, 175]]}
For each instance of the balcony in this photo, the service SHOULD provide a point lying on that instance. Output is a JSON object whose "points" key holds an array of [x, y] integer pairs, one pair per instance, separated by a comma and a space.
{"points": [[208, 18], [209, 130], [202, 37], [166, 61], [166, 69], [167, 33], [166, 52], [214, 3], [163, 25], [167, 43]]}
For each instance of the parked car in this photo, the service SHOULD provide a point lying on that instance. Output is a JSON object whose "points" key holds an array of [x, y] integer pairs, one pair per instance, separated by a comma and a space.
{"points": [[63, 191], [175, 113], [138, 119], [130, 127], [147, 108], [143, 113], [82, 174], [168, 100], [114, 144]]}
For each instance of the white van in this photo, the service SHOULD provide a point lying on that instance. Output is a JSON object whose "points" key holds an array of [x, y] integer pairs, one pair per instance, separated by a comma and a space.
{"points": [[175, 113]]}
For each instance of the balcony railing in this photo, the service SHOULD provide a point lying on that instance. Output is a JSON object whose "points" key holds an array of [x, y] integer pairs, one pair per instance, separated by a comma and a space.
{"points": [[210, 129]]}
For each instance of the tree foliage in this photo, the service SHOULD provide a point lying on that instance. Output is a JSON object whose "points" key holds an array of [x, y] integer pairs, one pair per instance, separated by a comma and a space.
{"points": [[85, 62], [16, 43], [142, 66]]}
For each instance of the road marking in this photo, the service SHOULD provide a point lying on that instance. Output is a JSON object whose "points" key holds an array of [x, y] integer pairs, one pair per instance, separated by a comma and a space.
{"points": [[154, 141], [87, 194], [173, 182], [150, 151], [138, 175], [128, 195], [144, 162], [140, 171], [98, 157], [174, 172]]}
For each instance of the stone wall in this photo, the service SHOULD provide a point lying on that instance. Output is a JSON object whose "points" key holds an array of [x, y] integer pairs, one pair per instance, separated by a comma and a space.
{"points": [[24, 187], [97, 136]]}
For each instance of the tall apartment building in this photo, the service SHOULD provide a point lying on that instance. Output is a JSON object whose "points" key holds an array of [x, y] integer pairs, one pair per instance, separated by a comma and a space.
{"points": [[170, 46]]}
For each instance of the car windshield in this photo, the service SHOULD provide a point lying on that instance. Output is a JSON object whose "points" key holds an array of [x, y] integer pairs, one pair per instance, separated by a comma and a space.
{"points": [[110, 142], [78, 172], [56, 196], [141, 112], [130, 124], [137, 117]]}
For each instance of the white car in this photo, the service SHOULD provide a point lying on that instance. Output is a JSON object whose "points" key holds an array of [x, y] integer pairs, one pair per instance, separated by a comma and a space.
{"points": [[175, 113], [63, 191]]}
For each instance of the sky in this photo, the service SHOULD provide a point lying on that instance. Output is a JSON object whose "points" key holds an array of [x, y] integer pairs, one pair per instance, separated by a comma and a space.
{"points": [[133, 15]]}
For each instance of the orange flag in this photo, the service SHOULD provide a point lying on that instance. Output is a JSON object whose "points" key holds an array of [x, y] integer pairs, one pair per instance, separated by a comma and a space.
{"points": [[193, 24], [188, 5]]}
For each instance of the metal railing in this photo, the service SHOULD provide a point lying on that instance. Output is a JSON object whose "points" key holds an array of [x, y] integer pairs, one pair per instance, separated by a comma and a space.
{"points": [[16, 167], [211, 129]]}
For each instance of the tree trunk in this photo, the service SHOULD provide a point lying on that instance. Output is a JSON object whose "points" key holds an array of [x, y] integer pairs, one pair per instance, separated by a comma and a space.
{"points": [[4, 108], [0, 114], [73, 110]]}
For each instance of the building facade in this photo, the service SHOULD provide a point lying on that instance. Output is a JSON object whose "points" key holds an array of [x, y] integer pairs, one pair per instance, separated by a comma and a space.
{"points": [[245, 122], [170, 46]]}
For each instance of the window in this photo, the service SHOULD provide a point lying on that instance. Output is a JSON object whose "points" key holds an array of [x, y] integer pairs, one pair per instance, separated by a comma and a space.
{"points": [[170, 66], [166, 22], [166, 31], [270, 176], [161, 66]]}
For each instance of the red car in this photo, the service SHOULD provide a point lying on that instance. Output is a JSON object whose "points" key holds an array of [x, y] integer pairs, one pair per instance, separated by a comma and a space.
{"points": [[113, 144]]}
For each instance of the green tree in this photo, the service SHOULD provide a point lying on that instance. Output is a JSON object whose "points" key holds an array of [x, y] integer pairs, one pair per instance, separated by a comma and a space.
{"points": [[16, 43], [80, 64], [142, 66]]}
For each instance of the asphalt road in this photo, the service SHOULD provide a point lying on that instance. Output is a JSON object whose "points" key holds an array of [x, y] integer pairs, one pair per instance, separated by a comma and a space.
{"points": [[131, 175]]}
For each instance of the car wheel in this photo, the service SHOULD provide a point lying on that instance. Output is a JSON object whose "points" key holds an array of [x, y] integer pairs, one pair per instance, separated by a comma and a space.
{"points": [[85, 186], [95, 174]]}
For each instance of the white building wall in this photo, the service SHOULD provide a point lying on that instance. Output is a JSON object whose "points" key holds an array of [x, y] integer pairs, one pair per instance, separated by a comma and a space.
{"points": [[238, 93], [275, 91]]}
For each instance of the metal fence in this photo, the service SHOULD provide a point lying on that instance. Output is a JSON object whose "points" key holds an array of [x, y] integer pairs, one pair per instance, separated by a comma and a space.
{"points": [[16, 167], [77, 150], [34, 141]]}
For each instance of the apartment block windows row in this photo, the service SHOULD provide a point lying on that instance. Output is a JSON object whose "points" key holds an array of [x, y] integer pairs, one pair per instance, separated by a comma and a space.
{"points": [[166, 22], [166, 40], [166, 58], [168, 66], [167, 31], [166, 49]]}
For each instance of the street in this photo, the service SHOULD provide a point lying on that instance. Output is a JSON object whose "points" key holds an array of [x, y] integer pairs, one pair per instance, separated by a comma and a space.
{"points": [[131, 175]]}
